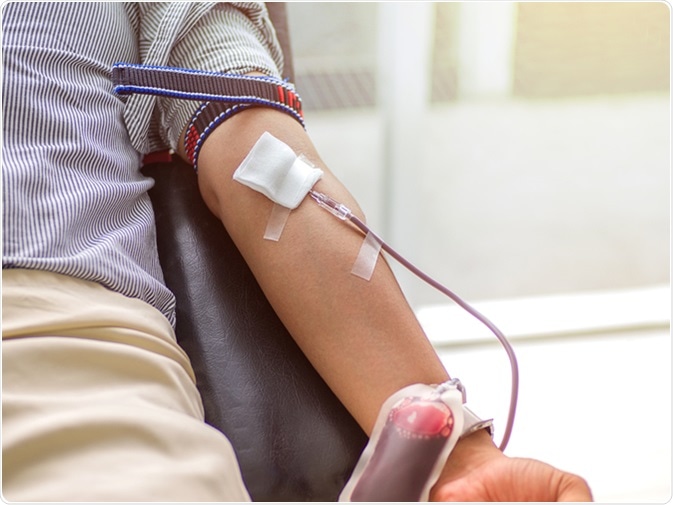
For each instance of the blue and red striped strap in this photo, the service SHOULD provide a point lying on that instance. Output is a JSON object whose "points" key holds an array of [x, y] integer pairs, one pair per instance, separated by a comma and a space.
{"points": [[224, 95]]}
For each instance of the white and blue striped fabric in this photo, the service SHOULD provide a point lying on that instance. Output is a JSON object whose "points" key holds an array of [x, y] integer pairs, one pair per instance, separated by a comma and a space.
{"points": [[74, 200]]}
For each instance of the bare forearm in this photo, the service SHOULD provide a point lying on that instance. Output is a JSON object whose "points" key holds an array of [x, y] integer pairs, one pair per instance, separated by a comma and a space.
{"points": [[361, 336]]}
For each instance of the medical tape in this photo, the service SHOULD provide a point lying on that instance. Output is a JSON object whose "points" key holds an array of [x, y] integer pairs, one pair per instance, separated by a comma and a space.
{"points": [[273, 169], [276, 224], [366, 261]]}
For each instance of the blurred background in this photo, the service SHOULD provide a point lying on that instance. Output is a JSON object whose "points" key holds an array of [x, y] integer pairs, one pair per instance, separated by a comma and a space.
{"points": [[520, 153]]}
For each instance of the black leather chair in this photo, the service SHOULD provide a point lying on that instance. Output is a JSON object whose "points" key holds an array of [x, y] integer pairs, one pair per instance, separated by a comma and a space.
{"points": [[294, 439]]}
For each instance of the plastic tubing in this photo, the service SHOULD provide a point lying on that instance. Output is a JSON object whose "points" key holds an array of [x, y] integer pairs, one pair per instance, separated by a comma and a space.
{"points": [[343, 213]]}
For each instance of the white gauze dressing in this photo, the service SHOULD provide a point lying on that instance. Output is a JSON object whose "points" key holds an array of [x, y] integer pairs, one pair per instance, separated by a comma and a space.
{"points": [[272, 168]]}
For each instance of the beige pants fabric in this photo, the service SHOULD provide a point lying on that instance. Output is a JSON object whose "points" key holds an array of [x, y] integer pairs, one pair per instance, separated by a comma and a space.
{"points": [[99, 402]]}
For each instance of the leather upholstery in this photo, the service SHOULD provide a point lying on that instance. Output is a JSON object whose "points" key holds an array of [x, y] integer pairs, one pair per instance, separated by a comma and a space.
{"points": [[294, 439]]}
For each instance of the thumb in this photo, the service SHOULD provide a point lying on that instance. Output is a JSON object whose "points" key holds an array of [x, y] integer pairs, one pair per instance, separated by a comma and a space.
{"points": [[573, 488]]}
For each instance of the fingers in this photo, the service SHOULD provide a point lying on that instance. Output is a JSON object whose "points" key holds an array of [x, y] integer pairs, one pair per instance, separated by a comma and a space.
{"points": [[514, 480]]}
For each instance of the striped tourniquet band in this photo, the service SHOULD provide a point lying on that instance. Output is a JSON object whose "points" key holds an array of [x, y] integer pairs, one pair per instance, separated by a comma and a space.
{"points": [[226, 95], [204, 121]]}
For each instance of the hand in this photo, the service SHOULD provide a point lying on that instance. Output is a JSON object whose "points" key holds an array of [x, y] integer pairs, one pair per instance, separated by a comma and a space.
{"points": [[478, 471]]}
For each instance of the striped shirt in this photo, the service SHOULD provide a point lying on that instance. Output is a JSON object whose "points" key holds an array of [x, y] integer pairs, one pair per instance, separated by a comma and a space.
{"points": [[74, 200]]}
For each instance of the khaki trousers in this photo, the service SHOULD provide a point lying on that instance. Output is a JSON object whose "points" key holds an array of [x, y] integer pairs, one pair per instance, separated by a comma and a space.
{"points": [[99, 402]]}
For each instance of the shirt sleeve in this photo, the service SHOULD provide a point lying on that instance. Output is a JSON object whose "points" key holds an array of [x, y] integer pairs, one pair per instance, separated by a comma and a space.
{"points": [[232, 37]]}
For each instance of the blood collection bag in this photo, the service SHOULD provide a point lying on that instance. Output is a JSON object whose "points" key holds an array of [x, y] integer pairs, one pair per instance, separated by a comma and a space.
{"points": [[415, 431]]}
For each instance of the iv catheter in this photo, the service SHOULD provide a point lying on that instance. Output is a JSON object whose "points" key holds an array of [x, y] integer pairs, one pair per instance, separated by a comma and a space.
{"points": [[344, 214]]}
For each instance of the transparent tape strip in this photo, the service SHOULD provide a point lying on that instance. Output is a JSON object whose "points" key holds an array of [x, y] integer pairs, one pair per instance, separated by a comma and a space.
{"points": [[276, 223], [366, 261]]}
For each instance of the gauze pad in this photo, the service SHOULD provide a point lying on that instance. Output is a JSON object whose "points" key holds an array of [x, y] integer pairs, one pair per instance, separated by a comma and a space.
{"points": [[272, 168]]}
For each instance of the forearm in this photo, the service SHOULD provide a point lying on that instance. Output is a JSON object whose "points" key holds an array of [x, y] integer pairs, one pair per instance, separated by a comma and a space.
{"points": [[361, 336]]}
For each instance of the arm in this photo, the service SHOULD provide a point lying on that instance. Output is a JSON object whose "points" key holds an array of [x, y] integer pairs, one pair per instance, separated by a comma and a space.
{"points": [[361, 336]]}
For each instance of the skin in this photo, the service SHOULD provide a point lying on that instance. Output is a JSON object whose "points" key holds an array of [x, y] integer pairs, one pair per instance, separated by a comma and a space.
{"points": [[361, 336]]}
